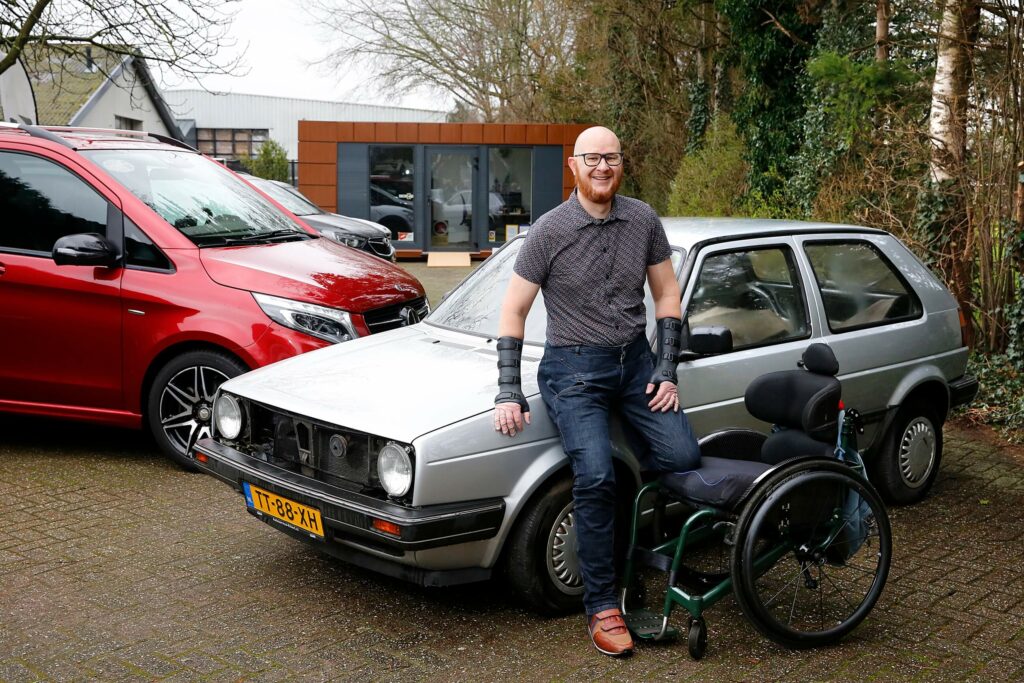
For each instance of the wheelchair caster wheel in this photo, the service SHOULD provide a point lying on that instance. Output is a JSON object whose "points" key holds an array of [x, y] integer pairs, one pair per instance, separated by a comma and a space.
{"points": [[697, 638]]}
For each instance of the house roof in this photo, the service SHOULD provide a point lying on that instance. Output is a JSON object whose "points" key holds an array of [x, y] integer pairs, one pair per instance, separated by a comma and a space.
{"points": [[68, 81]]}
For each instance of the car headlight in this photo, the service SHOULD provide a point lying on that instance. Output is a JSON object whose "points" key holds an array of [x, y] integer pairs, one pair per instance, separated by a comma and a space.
{"points": [[228, 416], [394, 468], [345, 238], [329, 324]]}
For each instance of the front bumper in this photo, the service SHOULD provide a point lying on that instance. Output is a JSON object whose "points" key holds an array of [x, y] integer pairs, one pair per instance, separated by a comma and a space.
{"points": [[348, 515], [963, 390]]}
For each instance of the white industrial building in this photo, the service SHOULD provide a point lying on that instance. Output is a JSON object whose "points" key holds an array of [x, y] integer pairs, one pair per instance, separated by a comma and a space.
{"points": [[234, 125]]}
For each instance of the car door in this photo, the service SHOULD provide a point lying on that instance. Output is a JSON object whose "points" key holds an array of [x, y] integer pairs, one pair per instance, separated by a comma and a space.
{"points": [[757, 289], [60, 344]]}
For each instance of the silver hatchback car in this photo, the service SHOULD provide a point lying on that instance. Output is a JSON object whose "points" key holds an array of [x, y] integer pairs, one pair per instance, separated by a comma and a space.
{"points": [[382, 451]]}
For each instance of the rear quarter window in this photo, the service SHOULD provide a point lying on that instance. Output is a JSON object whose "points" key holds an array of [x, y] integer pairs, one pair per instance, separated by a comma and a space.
{"points": [[859, 286]]}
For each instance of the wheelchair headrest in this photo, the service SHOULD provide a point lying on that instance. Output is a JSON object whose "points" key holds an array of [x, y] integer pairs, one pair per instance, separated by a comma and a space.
{"points": [[819, 359], [807, 400]]}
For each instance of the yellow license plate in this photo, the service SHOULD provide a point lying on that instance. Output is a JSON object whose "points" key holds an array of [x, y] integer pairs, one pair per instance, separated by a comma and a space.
{"points": [[296, 514]]}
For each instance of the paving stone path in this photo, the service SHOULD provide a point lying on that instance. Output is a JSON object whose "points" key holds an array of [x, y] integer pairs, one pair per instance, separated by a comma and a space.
{"points": [[116, 565]]}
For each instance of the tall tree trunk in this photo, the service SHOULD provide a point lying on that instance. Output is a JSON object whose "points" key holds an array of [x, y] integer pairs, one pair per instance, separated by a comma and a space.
{"points": [[950, 227], [883, 11]]}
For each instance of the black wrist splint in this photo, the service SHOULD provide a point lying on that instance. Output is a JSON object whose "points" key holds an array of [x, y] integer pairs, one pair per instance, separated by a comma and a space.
{"points": [[510, 358], [669, 342]]}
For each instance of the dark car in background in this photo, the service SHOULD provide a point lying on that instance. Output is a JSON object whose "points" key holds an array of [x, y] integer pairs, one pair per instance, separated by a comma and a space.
{"points": [[352, 232]]}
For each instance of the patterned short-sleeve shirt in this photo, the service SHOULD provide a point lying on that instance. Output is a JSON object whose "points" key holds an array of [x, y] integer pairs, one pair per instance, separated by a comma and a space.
{"points": [[592, 271]]}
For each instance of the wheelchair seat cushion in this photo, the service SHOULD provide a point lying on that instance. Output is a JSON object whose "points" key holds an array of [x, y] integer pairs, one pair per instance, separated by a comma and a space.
{"points": [[719, 482], [790, 443]]}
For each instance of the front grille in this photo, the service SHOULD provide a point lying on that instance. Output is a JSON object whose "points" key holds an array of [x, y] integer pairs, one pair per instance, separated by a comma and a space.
{"points": [[381, 246], [304, 446], [390, 317]]}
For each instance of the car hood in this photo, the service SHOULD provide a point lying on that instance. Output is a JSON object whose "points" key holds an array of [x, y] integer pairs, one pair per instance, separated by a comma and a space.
{"points": [[398, 384], [352, 226], [318, 271]]}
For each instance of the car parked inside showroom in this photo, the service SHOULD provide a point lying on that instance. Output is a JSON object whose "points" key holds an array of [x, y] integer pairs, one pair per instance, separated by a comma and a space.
{"points": [[436, 496], [352, 232], [136, 275]]}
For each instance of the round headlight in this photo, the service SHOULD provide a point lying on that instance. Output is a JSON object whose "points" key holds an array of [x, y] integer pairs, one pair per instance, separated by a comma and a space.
{"points": [[394, 467], [228, 416]]}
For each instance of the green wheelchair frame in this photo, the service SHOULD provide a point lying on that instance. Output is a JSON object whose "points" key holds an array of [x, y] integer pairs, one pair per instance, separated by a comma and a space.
{"points": [[762, 534]]}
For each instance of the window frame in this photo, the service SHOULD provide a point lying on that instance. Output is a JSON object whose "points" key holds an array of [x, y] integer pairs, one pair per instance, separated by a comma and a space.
{"points": [[113, 230], [793, 265], [915, 298]]}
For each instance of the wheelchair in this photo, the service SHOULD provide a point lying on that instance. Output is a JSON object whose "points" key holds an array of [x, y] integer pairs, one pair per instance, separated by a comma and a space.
{"points": [[807, 538]]}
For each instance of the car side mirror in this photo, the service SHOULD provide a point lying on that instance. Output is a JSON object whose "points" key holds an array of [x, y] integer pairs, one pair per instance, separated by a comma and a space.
{"points": [[85, 249], [707, 341]]}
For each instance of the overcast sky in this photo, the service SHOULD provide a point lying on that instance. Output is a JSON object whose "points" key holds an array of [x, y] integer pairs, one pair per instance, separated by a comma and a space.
{"points": [[283, 41]]}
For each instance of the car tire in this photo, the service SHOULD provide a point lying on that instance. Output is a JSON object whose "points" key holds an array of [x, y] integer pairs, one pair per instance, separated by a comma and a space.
{"points": [[180, 400], [906, 467], [540, 562]]}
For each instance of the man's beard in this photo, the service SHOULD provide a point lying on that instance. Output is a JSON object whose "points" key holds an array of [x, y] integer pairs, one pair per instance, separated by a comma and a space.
{"points": [[586, 189]]}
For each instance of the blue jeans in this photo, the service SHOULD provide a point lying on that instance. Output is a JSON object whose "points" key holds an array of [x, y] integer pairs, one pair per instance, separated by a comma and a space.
{"points": [[580, 386]]}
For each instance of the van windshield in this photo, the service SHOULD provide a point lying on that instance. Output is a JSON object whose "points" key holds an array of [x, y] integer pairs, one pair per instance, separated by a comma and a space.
{"points": [[203, 200]]}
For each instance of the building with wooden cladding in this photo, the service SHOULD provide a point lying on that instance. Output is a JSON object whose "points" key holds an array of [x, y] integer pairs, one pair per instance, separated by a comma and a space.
{"points": [[438, 186]]}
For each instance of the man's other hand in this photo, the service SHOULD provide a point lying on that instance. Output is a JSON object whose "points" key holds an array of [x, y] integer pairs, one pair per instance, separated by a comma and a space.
{"points": [[509, 418], [665, 400]]}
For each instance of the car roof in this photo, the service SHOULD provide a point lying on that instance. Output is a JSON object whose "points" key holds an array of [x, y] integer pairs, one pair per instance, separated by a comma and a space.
{"points": [[688, 232], [95, 138]]}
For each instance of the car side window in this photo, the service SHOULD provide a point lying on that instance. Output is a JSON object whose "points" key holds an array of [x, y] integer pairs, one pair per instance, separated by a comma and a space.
{"points": [[756, 293], [139, 250], [859, 286], [41, 201]]}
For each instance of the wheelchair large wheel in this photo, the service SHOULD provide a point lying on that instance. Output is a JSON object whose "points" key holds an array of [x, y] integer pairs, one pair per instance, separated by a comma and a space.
{"points": [[807, 569]]}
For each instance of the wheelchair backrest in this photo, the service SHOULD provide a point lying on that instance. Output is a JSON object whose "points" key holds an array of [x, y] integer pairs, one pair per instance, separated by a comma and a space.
{"points": [[801, 399]]}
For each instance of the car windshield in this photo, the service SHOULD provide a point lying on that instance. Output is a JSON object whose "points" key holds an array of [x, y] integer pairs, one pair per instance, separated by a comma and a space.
{"points": [[474, 306], [200, 198], [289, 199]]}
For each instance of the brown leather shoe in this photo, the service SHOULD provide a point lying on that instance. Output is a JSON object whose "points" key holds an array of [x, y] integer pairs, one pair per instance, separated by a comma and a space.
{"points": [[609, 634]]}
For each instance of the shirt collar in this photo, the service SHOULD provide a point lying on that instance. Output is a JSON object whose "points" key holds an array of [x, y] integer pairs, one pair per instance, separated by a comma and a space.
{"points": [[582, 219]]}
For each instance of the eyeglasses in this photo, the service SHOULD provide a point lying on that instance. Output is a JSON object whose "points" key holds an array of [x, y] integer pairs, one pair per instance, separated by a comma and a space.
{"points": [[594, 159]]}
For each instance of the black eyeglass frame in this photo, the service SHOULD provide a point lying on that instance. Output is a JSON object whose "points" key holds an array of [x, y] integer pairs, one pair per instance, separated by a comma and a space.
{"points": [[604, 157]]}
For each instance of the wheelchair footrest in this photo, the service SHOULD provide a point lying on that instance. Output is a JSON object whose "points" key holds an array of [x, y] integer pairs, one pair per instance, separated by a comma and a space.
{"points": [[649, 558], [646, 625]]}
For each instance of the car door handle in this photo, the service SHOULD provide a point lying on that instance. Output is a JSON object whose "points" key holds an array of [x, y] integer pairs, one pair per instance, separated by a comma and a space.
{"points": [[3, 269]]}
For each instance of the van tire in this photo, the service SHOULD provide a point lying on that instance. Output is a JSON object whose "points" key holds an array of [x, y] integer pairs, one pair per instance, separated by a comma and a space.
{"points": [[190, 378]]}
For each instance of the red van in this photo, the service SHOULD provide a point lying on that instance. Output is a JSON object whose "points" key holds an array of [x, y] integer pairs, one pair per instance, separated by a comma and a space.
{"points": [[136, 275]]}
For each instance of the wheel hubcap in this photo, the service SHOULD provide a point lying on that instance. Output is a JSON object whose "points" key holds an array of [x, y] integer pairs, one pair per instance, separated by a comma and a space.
{"points": [[917, 452], [186, 405], [562, 561]]}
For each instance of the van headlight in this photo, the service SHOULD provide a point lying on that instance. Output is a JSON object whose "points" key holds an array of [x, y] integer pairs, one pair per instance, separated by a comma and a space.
{"points": [[394, 469], [329, 324], [228, 416]]}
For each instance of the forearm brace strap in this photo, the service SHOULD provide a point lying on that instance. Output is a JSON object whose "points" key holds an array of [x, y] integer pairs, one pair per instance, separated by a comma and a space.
{"points": [[510, 358], [669, 342]]}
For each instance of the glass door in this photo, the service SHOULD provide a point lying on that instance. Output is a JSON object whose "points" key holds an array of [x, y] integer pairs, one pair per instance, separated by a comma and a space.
{"points": [[451, 191]]}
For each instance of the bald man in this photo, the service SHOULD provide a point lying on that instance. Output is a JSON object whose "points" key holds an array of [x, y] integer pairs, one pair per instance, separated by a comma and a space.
{"points": [[591, 256]]}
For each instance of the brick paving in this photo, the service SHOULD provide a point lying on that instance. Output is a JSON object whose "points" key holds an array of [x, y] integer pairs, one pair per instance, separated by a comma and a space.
{"points": [[115, 565]]}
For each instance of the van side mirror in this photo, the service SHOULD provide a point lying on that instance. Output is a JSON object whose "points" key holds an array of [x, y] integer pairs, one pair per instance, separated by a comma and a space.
{"points": [[85, 249], [707, 341]]}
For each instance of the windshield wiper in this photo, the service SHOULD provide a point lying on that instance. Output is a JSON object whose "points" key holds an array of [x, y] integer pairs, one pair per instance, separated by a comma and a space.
{"points": [[272, 236]]}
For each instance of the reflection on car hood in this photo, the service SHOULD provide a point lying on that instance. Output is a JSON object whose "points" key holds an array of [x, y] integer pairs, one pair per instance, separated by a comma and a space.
{"points": [[399, 384], [319, 271], [352, 226]]}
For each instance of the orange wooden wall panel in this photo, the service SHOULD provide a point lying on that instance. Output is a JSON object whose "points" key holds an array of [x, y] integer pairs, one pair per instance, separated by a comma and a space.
{"points": [[429, 133], [386, 132], [363, 132], [472, 133], [318, 174], [515, 134], [321, 195], [536, 134], [451, 134], [318, 131], [493, 133], [345, 132], [406, 132], [318, 152]]}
